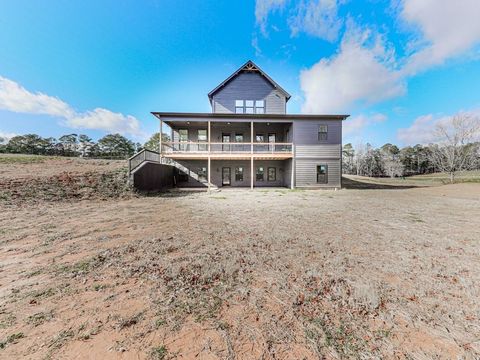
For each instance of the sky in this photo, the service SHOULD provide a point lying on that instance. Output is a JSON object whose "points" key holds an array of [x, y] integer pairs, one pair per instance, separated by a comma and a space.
{"points": [[96, 67]]}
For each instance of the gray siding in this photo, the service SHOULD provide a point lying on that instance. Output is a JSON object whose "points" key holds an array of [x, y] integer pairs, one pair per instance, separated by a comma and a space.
{"points": [[318, 151], [249, 86], [306, 172], [310, 152], [306, 132]]}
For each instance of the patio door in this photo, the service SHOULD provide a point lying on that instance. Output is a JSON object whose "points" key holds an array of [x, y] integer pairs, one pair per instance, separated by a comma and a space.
{"points": [[225, 139], [226, 176], [271, 142]]}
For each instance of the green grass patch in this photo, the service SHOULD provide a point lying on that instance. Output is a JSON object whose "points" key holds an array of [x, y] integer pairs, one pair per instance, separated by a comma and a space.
{"points": [[22, 159], [159, 353]]}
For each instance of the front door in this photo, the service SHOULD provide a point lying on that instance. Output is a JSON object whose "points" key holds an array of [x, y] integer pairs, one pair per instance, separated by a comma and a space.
{"points": [[226, 176]]}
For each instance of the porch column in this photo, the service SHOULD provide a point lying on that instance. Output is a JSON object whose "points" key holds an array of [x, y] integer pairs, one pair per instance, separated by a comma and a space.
{"points": [[292, 180], [160, 139], [209, 160], [251, 155]]}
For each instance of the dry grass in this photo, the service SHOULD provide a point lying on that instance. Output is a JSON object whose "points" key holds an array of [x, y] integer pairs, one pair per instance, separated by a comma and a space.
{"points": [[352, 274]]}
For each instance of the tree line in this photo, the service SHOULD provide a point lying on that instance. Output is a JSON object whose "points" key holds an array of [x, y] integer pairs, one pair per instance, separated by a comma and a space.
{"points": [[111, 146], [454, 149]]}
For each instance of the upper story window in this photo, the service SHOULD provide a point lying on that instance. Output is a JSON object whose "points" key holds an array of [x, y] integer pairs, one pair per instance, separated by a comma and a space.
{"points": [[322, 132], [249, 106]]}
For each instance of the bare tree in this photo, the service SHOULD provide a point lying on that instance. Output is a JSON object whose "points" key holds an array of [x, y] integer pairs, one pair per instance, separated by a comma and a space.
{"points": [[451, 153]]}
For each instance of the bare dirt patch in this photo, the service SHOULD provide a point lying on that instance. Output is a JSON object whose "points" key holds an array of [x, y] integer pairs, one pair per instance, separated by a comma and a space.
{"points": [[273, 274], [26, 179]]}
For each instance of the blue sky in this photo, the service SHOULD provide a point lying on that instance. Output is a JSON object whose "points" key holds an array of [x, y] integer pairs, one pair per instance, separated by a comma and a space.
{"points": [[96, 67]]}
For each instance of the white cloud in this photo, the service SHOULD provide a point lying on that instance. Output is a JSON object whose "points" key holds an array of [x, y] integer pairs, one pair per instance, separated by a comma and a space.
{"points": [[422, 130], [448, 28], [263, 8], [318, 18], [15, 98], [355, 125], [365, 72], [362, 71], [103, 119]]}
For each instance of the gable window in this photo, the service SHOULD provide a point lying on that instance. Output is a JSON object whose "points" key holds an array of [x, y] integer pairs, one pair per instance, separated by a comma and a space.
{"points": [[239, 174], [260, 173], [259, 106], [249, 106], [272, 174], [322, 132], [322, 174], [239, 107]]}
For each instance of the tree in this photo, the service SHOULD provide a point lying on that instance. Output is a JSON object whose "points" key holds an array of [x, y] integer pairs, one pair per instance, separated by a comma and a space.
{"points": [[153, 143], [390, 158], [115, 146], [348, 154], [85, 146], [452, 152], [69, 144], [28, 144]]}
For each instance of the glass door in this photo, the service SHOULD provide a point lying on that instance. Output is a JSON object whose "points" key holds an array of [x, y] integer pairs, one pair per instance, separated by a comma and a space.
{"points": [[271, 142], [183, 137], [225, 139], [226, 176]]}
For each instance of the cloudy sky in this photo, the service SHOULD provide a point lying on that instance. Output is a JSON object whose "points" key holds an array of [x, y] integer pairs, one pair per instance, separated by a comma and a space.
{"points": [[94, 67]]}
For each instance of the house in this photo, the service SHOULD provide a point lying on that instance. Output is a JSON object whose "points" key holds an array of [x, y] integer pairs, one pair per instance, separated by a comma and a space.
{"points": [[248, 140]]}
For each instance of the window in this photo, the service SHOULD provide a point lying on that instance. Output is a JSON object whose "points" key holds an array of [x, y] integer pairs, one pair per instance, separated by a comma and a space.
{"points": [[183, 134], [239, 138], [322, 174], [322, 132], [202, 174], [260, 173], [259, 138], [239, 107], [239, 174], [249, 106], [202, 137], [272, 174], [259, 107], [183, 137]]}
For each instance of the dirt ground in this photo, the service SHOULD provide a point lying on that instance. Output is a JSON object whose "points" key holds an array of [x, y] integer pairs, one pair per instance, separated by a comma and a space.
{"points": [[382, 273]]}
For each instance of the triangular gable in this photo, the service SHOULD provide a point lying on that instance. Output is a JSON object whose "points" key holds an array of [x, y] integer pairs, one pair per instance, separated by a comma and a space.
{"points": [[249, 66]]}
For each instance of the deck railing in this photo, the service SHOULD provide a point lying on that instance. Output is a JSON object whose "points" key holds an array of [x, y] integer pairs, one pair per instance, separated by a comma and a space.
{"points": [[142, 156], [225, 147]]}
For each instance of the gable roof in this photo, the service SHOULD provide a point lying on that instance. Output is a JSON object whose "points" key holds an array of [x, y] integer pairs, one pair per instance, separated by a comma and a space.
{"points": [[249, 66]]}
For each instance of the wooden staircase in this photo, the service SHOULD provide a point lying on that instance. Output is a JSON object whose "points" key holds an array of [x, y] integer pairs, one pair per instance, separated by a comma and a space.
{"points": [[137, 161]]}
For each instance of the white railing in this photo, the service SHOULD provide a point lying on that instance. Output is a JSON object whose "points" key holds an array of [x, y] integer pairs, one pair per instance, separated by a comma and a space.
{"points": [[225, 147]]}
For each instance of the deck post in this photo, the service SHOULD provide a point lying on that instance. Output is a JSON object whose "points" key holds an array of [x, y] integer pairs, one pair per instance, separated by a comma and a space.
{"points": [[209, 160], [292, 180], [251, 155], [160, 139]]}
